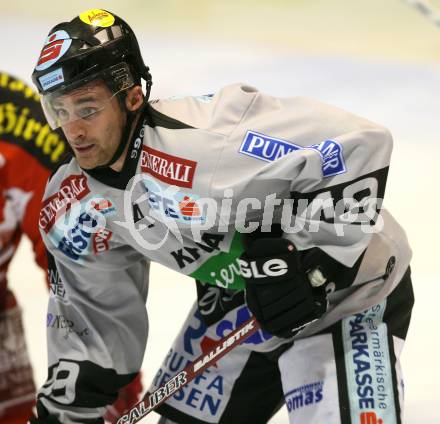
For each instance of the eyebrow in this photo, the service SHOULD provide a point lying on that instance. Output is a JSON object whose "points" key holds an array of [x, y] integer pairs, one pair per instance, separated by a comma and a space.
{"points": [[79, 101], [85, 100]]}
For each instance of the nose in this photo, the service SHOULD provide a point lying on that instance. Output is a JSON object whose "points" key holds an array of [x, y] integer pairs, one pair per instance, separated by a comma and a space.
{"points": [[74, 130]]}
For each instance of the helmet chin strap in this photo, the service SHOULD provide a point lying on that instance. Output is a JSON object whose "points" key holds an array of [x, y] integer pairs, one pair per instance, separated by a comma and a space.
{"points": [[122, 143]]}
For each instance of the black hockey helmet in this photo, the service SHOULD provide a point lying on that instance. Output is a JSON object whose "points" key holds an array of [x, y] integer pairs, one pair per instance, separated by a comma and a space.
{"points": [[95, 44]]}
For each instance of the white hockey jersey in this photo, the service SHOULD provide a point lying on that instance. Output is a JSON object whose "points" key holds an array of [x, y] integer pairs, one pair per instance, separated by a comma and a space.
{"points": [[199, 171]]}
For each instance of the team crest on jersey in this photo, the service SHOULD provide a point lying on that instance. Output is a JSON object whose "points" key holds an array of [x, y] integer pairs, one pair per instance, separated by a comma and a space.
{"points": [[269, 149]]}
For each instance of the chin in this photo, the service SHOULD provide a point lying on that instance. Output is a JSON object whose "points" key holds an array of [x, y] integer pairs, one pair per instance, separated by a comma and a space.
{"points": [[86, 164]]}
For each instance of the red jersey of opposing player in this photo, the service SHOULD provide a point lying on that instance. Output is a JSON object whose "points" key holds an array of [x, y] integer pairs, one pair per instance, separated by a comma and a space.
{"points": [[29, 152]]}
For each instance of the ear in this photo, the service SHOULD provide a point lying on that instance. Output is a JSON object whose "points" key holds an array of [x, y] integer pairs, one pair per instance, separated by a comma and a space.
{"points": [[134, 98]]}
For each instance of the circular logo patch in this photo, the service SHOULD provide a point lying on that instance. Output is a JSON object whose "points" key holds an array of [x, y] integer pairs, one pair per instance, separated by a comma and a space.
{"points": [[97, 17], [55, 46]]}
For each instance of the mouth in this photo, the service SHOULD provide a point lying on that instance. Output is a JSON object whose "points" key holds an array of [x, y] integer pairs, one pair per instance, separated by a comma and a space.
{"points": [[83, 150]]}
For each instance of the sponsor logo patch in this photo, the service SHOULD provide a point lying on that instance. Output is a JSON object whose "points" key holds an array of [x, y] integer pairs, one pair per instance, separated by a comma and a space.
{"points": [[208, 393], [76, 241], [369, 373], [61, 322], [97, 18], [271, 268], [370, 418], [209, 246], [332, 159], [303, 396], [269, 149], [72, 188], [100, 240], [195, 334], [221, 270], [170, 169], [189, 208], [266, 148], [166, 203], [52, 78], [55, 46], [88, 231], [74, 225], [56, 286], [205, 396], [104, 206]]}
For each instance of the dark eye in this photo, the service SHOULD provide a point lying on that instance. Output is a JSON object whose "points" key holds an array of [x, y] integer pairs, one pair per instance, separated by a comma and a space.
{"points": [[85, 112], [62, 115]]}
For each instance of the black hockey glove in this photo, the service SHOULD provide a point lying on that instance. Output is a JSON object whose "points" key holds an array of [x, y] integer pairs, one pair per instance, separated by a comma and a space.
{"points": [[278, 291]]}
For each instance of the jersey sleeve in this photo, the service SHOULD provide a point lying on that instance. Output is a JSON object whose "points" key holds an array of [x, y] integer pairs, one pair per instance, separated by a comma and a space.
{"points": [[35, 182], [96, 331], [327, 167], [21, 189], [339, 215]]}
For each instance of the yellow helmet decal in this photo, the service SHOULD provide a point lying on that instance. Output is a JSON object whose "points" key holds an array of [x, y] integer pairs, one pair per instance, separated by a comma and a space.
{"points": [[97, 17]]}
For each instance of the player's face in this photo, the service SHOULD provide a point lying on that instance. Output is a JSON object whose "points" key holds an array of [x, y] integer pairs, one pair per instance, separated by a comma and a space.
{"points": [[93, 123]]}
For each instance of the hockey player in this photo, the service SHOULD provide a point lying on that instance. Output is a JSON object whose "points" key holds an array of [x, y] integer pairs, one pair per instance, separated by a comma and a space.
{"points": [[273, 205], [29, 152]]}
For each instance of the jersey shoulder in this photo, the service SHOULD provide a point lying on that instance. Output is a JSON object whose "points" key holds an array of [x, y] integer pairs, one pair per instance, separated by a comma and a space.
{"points": [[67, 171], [216, 112], [68, 184], [321, 113], [304, 122]]}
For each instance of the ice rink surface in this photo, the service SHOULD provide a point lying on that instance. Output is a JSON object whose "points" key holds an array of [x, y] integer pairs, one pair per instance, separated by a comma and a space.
{"points": [[403, 96]]}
